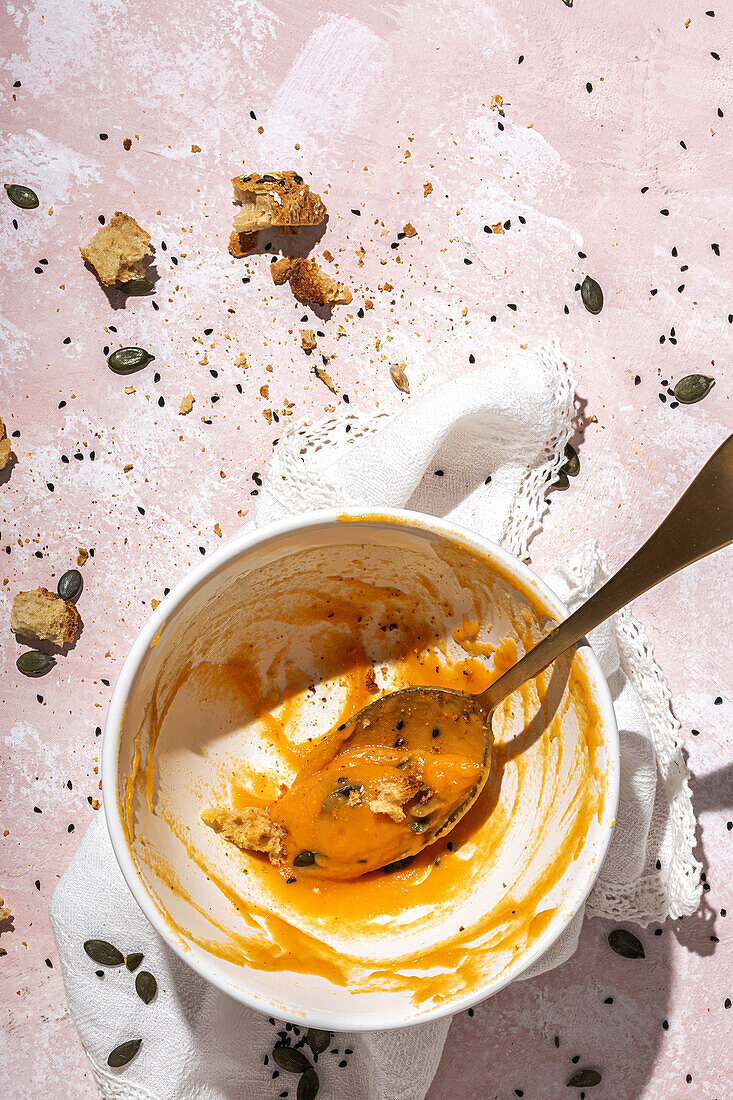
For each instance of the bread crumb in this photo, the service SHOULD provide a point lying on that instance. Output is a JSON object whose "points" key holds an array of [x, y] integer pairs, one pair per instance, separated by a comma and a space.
{"points": [[391, 793], [217, 530], [309, 282], [249, 829], [328, 256], [82, 554], [154, 603], [195, 148], [186, 405], [241, 361], [5, 913], [371, 681], [409, 230], [426, 189], [127, 144], [44, 616], [307, 339], [6, 447], [498, 228], [368, 303], [126, 469], [119, 250], [497, 104], [325, 377], [265, 392]]}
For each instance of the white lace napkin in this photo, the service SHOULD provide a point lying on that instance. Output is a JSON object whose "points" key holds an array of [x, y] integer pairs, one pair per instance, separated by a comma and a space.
{"points": [[498, 436]]}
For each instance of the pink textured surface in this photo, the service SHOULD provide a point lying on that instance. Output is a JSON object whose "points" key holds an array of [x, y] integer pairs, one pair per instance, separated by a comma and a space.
{"points": [[358, 87]]}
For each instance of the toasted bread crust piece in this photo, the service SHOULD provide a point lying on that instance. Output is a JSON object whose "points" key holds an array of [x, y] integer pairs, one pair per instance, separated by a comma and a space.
{"points": [[241, 244], [4, 911], [307, 339], [309, 282], [45, 616], [118, 250], [250, 829], [391, 795], [5, 447], [275, 199]]}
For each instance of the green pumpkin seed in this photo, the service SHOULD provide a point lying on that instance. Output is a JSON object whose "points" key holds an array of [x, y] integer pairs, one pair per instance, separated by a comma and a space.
{"points": [[21, 196], [626, 944], [125, 360], [133, 960], [318, 1040], [397, 865], [291, 1060], [572, 466], [561, 481], [103, 953], [124, 1053], [137, 287], [70, 586], [584, 1079], [145, 986], [592, 295], [692, 388], [32, 662], [308, 1085], [304, 859], [421, 826], [333, 800]]}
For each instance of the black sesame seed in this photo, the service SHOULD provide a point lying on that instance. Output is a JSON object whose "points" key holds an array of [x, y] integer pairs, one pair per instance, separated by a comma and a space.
{"points": [[665, 213], [38, 884], [608, 1001], [658, 931], [522, 220], [637, 380], [37, 810], [50, 486], [521, 59], [439, 473], [155, 306], [357, 212], [511, 305], [70, 829], [714, 55], [467, 261], [727, 1002], [98, 731], [695, 733], [575, 1059], [589, 87], [665, 1025], [289, 880], [717, 700], [101, 219], [565, 310], [644, 190], [472, 358], [683, 145], [103, 137]]}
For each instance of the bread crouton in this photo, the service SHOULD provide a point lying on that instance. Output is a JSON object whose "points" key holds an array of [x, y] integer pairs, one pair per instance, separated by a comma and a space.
{"points": [[250, 829], [5, 447], [44, 616], [307, 339], [241, 244], [5, 913], [391, 793], [275, 199], [119, 250], [309, 282]]}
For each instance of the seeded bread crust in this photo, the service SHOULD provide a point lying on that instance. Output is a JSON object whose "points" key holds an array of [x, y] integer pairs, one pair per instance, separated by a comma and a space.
{"points": [[45, 616], [250, 829], [118, 251], [275, 199]]}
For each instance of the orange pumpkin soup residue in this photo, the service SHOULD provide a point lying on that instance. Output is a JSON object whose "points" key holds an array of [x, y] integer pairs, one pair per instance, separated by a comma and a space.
{"points": [[341, 929]]}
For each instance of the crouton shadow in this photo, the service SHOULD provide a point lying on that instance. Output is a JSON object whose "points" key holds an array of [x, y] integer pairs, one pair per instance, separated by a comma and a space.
{"points": [[49, 648], [116, 296], [283, 241]]}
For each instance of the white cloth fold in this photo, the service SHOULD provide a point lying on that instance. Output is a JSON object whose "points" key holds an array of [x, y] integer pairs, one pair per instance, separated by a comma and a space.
{"points": [[498, 436]]}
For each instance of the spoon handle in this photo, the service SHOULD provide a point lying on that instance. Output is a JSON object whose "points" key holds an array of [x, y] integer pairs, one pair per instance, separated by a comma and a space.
{"points": [[700, 523]]}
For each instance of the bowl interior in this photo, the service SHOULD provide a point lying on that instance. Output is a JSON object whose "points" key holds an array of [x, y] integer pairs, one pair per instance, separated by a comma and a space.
{"points": [[255, 654]]}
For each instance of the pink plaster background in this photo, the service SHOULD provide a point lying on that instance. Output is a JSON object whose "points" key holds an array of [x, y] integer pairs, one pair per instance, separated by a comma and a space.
{"points": [[359, 87]]}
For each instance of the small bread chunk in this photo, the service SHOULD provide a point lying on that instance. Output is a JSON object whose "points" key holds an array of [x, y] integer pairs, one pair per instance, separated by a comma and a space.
{"points": [[5, 913], [275, 199], [392, 793], [307, 339], [186, 405], [118, 250], [309, 282], [241, 244], [250, 829], [45, 616], [5, 447]]}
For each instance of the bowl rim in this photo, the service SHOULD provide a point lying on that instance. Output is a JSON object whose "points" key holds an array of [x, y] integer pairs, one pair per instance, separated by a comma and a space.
{"points": [[242, 542]]}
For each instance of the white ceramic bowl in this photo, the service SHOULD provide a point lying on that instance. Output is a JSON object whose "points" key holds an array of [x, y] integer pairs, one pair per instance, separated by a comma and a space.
{"points": [[174, 635]]}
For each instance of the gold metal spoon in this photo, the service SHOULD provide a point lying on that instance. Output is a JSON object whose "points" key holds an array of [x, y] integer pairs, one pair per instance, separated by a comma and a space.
{"points": [[699, 524]]}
